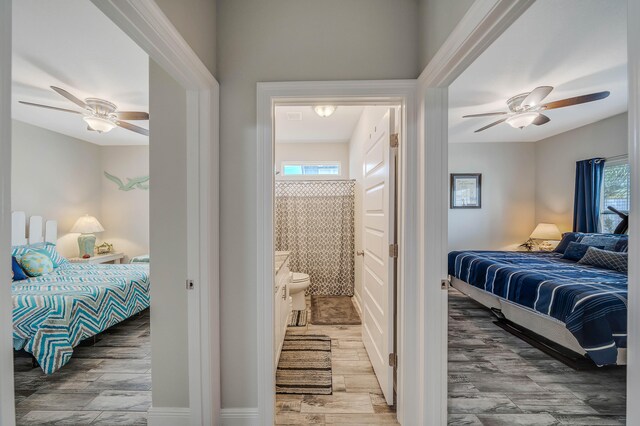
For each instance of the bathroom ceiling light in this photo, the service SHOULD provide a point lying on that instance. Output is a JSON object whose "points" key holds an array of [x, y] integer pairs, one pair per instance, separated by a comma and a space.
{"points": [[325, 111], [520, 121]]}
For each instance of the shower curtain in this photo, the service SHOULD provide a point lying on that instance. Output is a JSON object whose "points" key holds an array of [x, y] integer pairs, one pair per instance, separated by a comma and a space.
{"points": [[315, 222]]}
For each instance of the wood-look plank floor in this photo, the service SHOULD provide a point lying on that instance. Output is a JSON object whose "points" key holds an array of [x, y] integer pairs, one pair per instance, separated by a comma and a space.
{"points": [[108, 383], [497, 379], [357, 398]]}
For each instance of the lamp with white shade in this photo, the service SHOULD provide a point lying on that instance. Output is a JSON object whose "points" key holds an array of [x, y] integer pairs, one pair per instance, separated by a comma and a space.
{"points": [[87, 226], [542, 235]]}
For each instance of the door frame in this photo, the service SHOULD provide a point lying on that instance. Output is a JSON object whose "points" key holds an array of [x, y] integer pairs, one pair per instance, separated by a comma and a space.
{"points": [[145, 23], [485, 21], [270, 94]]}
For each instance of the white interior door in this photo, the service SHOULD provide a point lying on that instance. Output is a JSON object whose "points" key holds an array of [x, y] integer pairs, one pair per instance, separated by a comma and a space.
{"points": [[378, 234]]}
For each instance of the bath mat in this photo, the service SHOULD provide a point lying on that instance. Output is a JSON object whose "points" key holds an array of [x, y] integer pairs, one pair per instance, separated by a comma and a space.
{"points": [[304, 367], [298, 319], [333, 310]]}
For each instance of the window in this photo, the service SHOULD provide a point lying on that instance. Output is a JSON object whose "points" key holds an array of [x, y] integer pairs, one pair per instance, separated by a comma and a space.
{"points": [[309, 168], [615, 193]]}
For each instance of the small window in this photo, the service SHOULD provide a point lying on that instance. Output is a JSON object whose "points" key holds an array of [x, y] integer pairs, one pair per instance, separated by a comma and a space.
{"points": [[615, 193], [307, 168]]}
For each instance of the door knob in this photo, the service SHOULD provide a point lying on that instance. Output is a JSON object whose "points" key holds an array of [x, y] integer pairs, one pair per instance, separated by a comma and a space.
{"points": [[360, 253]]}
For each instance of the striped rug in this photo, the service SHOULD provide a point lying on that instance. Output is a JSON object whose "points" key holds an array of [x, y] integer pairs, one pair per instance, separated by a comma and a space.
{"points": [[298, 318], [305, 365]]}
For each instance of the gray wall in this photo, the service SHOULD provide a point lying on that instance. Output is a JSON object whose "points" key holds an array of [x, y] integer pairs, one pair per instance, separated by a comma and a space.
{"points": [[507, 216], [196, 22], [167, 204], [283, 40], [556, 165], [437, 19]]}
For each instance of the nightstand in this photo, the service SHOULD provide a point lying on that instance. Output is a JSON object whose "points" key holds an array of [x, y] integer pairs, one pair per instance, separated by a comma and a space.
{"points": [[99, 258]]}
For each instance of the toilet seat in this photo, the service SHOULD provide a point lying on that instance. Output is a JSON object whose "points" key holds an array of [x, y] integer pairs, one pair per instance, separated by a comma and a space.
{"points": [[299, 277]]}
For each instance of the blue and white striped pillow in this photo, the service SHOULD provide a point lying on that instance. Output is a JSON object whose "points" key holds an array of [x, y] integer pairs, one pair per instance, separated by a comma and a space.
{"points": [[50, 249]]}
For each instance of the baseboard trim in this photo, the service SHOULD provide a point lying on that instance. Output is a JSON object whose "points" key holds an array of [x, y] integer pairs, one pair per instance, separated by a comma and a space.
{"points": [[168, 416], [357, 303], [240, 417]]}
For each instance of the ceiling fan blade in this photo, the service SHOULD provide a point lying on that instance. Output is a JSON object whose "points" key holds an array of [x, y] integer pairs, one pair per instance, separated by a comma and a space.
{"points": [[536, 96], [485, 114], [69, 96], [495, 123], [577, 100], [133, 127], [541, 119], [132, 115], [49, 107]]}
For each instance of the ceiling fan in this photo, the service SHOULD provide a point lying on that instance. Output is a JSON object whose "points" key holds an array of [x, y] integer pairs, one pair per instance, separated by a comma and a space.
{"points": [[526, 108], [100, 115]]}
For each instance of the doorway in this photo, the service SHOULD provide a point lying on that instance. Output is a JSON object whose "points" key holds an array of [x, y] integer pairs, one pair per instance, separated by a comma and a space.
{"points": [[392, 108]]}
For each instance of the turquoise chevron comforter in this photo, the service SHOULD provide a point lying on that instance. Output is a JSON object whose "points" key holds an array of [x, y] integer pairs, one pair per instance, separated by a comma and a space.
{"points": [[53, 313]]}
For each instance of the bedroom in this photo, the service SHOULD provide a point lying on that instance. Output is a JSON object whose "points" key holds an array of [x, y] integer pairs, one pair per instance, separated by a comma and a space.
{"points": [[520, 323], [80, 222]]}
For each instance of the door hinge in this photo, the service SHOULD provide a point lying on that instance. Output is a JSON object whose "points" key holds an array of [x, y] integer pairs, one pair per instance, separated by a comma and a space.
{"points": [[445, 284], [394, 141], [190, 285], [393, 360], [393, 250]]}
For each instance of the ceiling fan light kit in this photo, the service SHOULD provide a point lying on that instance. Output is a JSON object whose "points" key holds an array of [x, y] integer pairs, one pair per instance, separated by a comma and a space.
{"points": [[526, 109], [100, 115]]}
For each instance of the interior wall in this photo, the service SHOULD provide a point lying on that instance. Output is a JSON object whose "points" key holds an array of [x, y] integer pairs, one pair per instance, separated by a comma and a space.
{"points": [[125, 214], [55, 176], [195, 20], [313, 152], [371, 115], [507, 216], [437, 19], [556, 165], [283, 40], [168, 214]]}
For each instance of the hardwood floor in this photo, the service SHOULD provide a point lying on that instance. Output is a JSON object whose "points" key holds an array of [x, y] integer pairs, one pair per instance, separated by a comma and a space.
{"points": [[497, 379], [108, 383], [357, 398]]}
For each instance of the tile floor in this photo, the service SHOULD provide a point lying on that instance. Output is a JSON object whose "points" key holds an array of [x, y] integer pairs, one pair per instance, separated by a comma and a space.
{"points": [[357, 398], [108, 383], [497, 379]]}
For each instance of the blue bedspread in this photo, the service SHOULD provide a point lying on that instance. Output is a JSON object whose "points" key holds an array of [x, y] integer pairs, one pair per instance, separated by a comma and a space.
{"points": [[590, 301], [53, 313]]}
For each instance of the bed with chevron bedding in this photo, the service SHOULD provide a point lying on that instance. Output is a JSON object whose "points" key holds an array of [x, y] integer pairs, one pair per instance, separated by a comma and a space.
{"points": [[53, 313]]}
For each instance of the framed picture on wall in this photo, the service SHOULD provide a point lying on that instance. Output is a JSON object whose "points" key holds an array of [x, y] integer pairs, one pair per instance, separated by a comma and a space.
{"points": [[466, 191]]}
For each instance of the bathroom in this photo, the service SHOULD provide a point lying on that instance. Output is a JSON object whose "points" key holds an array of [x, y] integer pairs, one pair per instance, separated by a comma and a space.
{"points": [[322, 171]]}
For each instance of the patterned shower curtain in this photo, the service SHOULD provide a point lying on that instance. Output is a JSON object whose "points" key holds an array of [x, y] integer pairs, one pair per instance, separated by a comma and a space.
{"points": [[315, 222]]}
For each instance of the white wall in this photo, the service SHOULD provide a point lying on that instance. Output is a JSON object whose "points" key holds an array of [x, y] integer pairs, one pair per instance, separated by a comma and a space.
{"points": [[168, 215], [556, 165], [507, 216], [283, 40], [55, 176], [437, 18], [313, 152], [371, 115], [125, 214]]}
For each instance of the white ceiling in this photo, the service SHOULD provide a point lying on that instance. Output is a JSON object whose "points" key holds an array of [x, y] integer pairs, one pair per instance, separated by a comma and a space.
{"points": [[72, 45], [577, 46], [336, 128]]}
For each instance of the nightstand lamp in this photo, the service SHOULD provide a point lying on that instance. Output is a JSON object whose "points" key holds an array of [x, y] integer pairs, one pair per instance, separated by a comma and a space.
{"points": [[542, 235], [87, 226]]}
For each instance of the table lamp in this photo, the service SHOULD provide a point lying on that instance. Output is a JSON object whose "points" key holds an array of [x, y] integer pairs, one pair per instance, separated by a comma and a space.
{"points": [[87, 226], [543, 233]]}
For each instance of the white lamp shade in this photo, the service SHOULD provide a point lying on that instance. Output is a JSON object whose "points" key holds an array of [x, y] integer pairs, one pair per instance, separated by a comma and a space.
{"points": [[99, 124], [546, 231], [521, 121], [87, 225]]}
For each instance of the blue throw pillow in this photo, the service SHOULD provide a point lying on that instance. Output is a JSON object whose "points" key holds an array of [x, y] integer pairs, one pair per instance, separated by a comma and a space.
{"points": [[568, 238], [575, 251], [18, 273], [615, 261], [610, 242]]}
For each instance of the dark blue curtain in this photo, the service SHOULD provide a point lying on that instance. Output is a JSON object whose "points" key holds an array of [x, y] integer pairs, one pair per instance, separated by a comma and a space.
{"points": [[586, 204]]}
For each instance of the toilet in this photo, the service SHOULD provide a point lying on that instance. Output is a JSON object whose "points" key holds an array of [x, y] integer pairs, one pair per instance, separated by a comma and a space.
{"points": [[299, 283]]}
